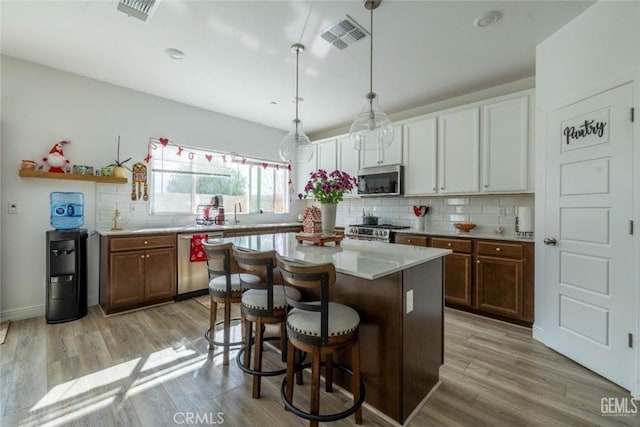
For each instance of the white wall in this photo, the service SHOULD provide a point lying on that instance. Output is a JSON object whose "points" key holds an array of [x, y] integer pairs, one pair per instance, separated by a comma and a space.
{"points": [[41, 106], [597, 50]]}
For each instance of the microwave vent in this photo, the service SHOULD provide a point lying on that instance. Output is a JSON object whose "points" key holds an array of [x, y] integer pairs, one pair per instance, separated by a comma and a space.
{"points": [[141, 9]]}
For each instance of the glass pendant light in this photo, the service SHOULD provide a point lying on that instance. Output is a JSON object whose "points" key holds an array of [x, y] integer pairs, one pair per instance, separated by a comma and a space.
{"points": [[372, 129], [296, 146]]}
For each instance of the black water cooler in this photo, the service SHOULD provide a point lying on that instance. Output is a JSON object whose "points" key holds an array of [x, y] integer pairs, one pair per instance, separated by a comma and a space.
{"points": [[66, 275]]}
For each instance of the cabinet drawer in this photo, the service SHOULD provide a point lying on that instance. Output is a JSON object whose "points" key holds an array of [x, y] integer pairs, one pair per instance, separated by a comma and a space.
{"points": [[142, 242], [499, 249], [410, 239], [455, 245]]}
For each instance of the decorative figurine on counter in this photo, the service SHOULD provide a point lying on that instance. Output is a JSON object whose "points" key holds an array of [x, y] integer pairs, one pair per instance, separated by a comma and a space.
{"points": [[56, 158], [116, 217]]}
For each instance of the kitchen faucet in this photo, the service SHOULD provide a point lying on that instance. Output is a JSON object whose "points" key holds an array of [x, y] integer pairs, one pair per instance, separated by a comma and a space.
{"points": [[237, 205]]}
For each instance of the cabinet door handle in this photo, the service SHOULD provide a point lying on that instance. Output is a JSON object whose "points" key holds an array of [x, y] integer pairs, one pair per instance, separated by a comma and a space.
{"points": [[408, 240], [498, 249], [478, 262], [449, 244], [141, 256], [145, 242], [147, 255], [434, 188], [486, 186], [442, 188]]}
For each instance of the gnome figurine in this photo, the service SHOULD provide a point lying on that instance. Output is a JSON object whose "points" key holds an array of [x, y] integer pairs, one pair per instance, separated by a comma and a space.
{"points": [[56, 158]]}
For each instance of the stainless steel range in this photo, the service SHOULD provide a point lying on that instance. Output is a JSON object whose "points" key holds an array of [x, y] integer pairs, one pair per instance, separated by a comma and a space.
{"points": [[379, 233]]}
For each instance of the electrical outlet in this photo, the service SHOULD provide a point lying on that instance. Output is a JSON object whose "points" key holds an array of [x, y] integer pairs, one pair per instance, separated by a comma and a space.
{"points": [[13, 208], [409, 301]]}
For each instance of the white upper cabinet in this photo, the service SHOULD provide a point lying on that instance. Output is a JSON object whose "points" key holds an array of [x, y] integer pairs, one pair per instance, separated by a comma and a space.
{"points": [[348, 160], [504, 142], [388, 156], [459, 151], [420, 156], [327, 158], [301, 171]]}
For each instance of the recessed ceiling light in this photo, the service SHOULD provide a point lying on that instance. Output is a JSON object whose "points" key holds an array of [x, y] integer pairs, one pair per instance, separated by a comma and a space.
{"points": [[488, 18], [174, 53]]}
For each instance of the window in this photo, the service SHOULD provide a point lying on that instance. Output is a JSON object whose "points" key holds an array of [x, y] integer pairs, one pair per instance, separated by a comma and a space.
{"points": [[183, 178]]}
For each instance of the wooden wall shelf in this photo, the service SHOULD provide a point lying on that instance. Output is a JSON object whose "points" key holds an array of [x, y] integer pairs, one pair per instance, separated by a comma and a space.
{"points": [[26, 173]]}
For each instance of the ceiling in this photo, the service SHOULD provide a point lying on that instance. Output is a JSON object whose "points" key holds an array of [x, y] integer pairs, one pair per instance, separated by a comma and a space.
{"points": [[238, 59]]}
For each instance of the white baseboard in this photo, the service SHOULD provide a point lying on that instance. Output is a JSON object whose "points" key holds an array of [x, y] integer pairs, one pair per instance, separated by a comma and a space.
{"points": [[36, 310], [538, 333], [92, 300], [22, 313]]}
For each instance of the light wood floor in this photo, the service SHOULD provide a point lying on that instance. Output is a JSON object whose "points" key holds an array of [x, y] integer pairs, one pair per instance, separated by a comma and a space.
{"points": [[152, 367]]}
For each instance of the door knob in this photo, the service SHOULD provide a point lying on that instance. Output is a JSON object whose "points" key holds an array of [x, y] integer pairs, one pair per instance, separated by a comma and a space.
{"points": [[550, 241]]}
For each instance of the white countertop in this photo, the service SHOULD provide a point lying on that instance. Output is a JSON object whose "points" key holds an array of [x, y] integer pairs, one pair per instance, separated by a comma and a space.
{"points": [[471, 234], [194, 228], [360, 258]]}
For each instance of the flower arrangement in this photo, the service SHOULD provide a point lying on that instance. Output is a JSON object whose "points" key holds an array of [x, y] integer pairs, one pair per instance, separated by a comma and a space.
{"points": [[328, 187]]}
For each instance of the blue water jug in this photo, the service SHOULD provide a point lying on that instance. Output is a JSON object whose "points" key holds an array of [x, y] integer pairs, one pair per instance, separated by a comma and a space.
{"points": [[67, 210]]}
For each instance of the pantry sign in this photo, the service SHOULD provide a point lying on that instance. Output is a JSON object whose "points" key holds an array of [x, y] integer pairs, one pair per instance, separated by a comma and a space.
{"points": [[585, 131]]}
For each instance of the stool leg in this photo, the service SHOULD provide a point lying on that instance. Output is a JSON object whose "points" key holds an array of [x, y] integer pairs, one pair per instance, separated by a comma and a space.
{"points": [[315, 385], [290, 367], [247, 341], [283, 341], [328, 374], [213, 311], [355, 386], [298, 358], [257, 359], [227, 332]]}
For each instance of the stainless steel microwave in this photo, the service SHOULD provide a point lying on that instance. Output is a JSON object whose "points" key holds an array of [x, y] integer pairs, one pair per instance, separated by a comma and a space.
{"points": [[380, 181]]}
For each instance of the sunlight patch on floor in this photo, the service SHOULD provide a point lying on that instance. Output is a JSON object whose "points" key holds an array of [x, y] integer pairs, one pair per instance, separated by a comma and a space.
{"points": [[86, 383]]}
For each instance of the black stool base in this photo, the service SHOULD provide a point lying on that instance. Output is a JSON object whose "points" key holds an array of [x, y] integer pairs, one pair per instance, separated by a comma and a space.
{"points": [[319, 417], [258, 373], [207, 336]]}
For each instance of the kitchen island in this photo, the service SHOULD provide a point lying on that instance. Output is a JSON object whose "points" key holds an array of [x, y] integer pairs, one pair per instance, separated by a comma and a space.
{"points": [[398, 292]]}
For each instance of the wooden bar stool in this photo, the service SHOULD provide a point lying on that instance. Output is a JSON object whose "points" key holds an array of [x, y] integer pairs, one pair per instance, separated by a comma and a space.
{"points": [[225, 287], [320, 328], [262, 304]]}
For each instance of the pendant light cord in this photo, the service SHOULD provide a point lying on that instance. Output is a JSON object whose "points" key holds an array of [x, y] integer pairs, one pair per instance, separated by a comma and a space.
{"points": [[297, 56], [371, 55]]}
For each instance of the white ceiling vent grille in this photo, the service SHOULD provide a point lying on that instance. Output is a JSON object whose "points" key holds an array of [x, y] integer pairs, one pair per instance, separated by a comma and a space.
{"points": [[344, 33], [141, 9]]}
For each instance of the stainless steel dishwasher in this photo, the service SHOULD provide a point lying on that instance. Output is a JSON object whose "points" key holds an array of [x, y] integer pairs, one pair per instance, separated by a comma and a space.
{"points": [[193, 278]]}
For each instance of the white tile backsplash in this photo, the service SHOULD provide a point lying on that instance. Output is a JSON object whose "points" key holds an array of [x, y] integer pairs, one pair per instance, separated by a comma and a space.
{"points": [[486, 211], [457, 201]]}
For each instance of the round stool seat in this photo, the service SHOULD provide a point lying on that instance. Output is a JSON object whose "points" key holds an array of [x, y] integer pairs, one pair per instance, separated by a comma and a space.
{"points": [[219, 284], [256, 299], [342, 320]]}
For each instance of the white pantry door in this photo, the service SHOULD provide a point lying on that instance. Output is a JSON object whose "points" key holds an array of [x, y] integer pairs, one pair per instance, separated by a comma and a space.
{"points": [[589, 208]]}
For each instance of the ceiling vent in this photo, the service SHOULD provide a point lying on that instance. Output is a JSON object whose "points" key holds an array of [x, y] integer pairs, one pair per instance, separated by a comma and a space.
{"points": [[141, 9], [344, 33]]}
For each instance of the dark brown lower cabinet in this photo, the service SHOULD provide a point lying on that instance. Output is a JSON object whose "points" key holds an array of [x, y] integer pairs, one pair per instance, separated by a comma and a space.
{"points": [[499, 286], [488, 277], [458, 270], [457, 279], [136, 271]]}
